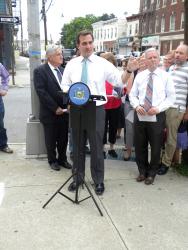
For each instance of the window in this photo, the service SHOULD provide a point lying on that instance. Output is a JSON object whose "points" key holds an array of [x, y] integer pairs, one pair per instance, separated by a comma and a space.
{"points": [[172, 21], [144, 5], [182, 20], [2, 7], [115, 32], [156, 24], [111, 32], [173, 1], [101, 33], [130, 29], [143, 27], [164, 3], [136, 28], [104, 34], [163, 23], [158, 4]]}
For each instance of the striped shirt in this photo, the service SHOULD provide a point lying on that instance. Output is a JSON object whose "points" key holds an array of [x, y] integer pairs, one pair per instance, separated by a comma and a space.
{"points": [[180, 78]]}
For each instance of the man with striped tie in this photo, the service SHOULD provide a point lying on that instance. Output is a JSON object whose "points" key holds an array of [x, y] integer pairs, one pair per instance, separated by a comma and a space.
{"points": [[152, 93]]}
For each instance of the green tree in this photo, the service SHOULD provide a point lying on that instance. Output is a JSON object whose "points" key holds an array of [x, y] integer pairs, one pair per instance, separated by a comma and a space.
{"points": [[106, 17], [186, 22], [70, 30]]}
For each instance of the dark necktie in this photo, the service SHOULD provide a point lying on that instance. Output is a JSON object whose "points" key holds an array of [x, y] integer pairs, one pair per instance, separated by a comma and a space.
{"points": [[59, 75], [149, 93], [84, 76]]}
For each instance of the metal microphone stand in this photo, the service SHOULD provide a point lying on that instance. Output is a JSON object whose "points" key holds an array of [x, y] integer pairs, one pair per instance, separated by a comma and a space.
{"points": [[79, 177]]}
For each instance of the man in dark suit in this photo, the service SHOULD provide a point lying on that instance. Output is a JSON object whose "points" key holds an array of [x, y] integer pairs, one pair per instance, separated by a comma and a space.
{"points": [[53, 108]]}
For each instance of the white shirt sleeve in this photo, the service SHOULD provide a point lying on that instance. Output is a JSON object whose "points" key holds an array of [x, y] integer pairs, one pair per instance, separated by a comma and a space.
{"points": [[170, 95], [133, 95]]}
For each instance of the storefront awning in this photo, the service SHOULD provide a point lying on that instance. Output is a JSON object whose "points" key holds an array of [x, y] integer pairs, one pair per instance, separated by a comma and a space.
{"points": [[150, 41]]}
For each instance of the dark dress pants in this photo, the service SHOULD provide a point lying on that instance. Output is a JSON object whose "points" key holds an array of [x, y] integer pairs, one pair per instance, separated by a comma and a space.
{"points": [[111, 125], [56, 138], [148, 133], [88, 122], [3, 133]]}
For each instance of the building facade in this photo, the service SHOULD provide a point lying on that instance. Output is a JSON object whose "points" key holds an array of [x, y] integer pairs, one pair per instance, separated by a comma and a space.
{"points": [[161, 24], [133, 33], [5, 34], [107, 33]]}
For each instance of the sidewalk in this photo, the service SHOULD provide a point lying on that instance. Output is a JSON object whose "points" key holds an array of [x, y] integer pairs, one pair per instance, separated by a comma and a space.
{"points": [[22, 76], [136, 216]]}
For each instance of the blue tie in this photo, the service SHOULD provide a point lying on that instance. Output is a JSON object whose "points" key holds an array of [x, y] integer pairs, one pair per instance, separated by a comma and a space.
{"points": [[84, 71]]}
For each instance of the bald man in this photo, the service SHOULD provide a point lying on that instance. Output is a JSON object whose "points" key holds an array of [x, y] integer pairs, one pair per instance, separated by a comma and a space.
{"points": [[179, 111]]}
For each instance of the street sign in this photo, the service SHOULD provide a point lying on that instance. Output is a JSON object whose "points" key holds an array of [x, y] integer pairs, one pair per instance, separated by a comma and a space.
{"points": [[9, 19]]}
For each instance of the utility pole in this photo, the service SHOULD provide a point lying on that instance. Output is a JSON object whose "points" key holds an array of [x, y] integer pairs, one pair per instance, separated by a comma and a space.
{"points": [[45, 23], [21, 25], [34, 133], [12, 49], [186, 22]]}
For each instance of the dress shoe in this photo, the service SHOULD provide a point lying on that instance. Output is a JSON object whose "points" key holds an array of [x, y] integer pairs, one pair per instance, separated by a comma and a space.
{"points": [[140, 178], [65, 164], [99, 188], [112, 153], [7, 150], [72, 186], [162, 170], [55, 166], [149, 180]]}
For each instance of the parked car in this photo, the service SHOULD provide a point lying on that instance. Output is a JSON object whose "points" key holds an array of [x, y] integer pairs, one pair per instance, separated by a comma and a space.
{"points": [[67, 55]]}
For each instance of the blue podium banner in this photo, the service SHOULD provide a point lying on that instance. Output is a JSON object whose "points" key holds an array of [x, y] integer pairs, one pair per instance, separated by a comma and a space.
{"points": [[79, 94]]}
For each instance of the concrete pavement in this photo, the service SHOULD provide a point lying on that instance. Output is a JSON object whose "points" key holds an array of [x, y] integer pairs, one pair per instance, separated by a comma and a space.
{"points": [[136, 216]]}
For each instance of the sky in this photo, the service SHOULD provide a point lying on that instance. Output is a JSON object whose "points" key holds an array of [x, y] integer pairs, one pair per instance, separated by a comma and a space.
{"points": [[63, 11]]}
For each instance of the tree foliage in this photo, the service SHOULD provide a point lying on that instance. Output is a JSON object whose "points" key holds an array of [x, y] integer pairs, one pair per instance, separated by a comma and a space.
{"points": [[70, 30]]}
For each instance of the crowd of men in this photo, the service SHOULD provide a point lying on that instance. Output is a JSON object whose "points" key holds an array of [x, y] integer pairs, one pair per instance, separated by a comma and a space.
{"points": [[155, 101]]}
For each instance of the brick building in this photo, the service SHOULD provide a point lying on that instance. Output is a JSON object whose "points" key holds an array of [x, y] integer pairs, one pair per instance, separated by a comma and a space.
{"points": [[5, 34], [161, 24]]}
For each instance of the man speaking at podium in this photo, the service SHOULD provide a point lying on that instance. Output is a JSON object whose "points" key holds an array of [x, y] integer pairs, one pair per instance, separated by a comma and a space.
{"points": [[93, 71]]}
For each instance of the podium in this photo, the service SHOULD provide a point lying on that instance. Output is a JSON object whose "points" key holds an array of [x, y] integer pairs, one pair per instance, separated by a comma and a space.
{"points": [[82, 118]]}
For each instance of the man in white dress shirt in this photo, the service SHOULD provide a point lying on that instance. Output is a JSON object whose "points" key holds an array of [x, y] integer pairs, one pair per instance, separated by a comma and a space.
{"points": [[98, 71], [150, 120]]}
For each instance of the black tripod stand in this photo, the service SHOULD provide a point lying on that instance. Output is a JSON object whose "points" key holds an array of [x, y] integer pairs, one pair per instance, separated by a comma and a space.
{"points": [[77, 174]]}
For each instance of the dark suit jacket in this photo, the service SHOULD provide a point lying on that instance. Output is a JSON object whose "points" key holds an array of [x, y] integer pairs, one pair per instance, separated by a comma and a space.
{"points": [[49, 94]]}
